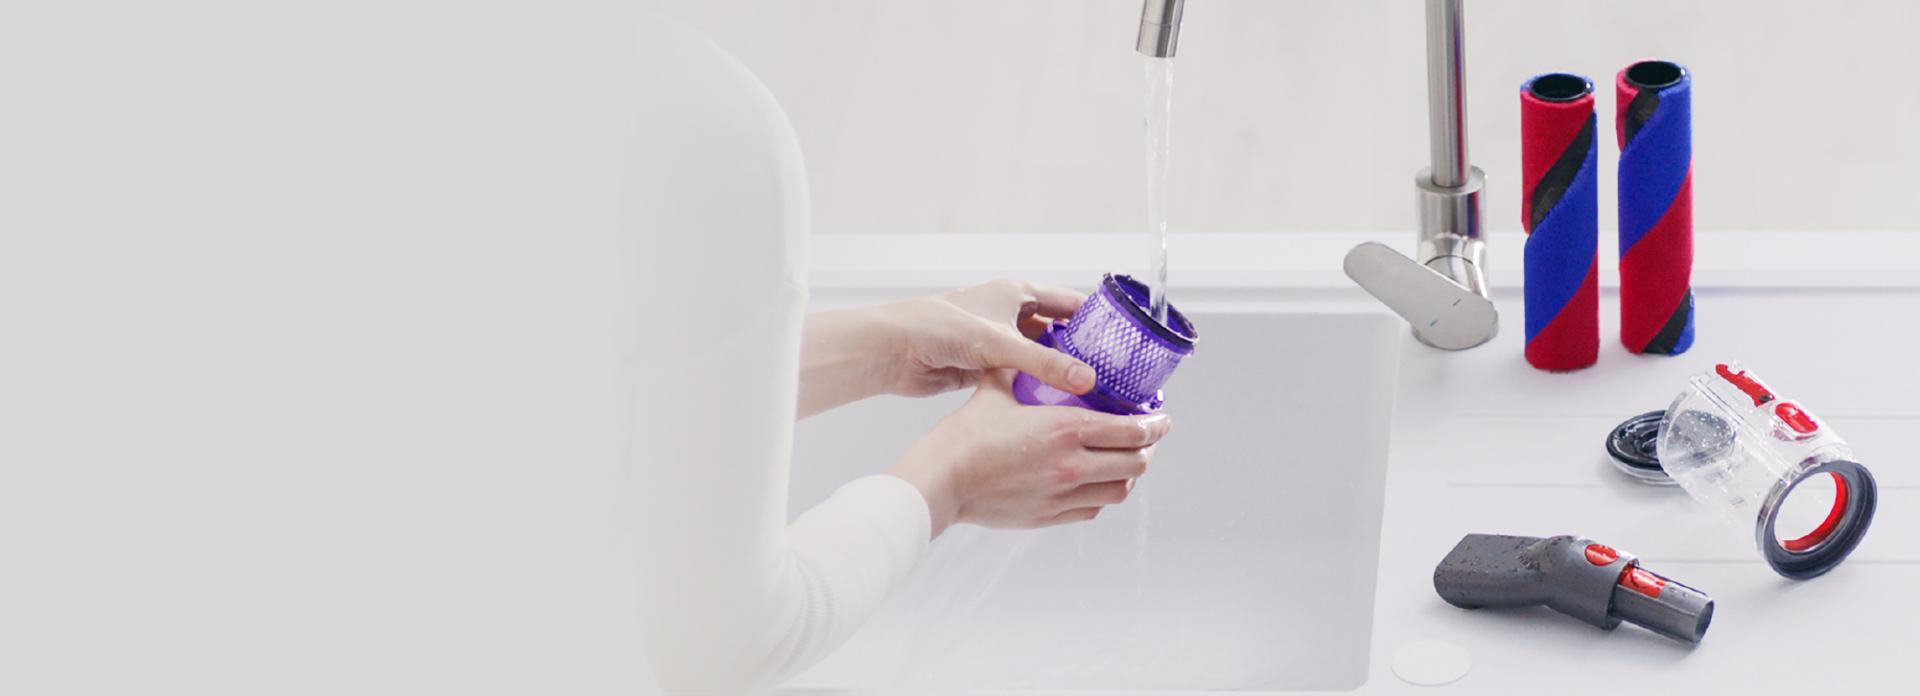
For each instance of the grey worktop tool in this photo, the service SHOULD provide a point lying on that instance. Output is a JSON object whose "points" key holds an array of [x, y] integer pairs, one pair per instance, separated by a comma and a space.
{"points": [[1574, 576]]}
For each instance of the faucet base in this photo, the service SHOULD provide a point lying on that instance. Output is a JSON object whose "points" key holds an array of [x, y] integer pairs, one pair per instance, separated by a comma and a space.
{"points": [[1458, 258], [1448, 211]]}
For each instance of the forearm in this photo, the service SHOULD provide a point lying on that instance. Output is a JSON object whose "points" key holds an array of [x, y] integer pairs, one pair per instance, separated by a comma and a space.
{"points": [[733, 598], [845, 356], [849, 552], [730, 627]]}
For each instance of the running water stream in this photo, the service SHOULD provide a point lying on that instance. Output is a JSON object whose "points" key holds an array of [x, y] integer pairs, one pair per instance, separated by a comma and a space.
{"points": [[1159, 129]]}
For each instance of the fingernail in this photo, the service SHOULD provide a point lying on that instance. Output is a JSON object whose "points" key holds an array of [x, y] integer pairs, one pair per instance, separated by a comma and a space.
{"points": [[1080, 377]]}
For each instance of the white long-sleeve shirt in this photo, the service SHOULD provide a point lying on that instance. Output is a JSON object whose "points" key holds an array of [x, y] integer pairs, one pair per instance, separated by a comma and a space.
{"points": [[732, 597]]}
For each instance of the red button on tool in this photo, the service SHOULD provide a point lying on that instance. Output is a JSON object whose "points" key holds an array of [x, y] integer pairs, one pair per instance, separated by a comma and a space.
{"points": [[1642, 582], [1601, 555], [1740, 380], [1790, 414]]}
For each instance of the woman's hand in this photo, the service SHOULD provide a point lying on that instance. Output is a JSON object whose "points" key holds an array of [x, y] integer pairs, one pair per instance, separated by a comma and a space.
{"points": [[999, 463], [928, 345], [949, 340]]}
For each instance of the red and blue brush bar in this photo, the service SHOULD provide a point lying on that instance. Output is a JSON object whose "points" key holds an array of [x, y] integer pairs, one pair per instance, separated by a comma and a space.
{"points": [[1560, 209], [1654, 120]]}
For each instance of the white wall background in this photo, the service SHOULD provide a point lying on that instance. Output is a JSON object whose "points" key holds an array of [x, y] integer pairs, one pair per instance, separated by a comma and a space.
{"points": [[1023, 115], [310, 334]]}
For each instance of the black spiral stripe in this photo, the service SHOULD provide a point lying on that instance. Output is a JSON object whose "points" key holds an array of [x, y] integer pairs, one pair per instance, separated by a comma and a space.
{"points": [[1553, 184], [1639, 110], [1663, 342]]}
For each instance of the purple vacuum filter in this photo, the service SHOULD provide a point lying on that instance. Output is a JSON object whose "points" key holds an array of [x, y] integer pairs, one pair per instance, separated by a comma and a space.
{"points": [[1131, 354]]}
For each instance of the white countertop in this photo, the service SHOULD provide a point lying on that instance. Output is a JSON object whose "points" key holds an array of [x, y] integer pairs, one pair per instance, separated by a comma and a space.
{"points": [[1484, 443]]}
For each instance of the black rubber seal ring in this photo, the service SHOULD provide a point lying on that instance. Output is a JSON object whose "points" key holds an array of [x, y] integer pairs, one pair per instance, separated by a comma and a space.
{"points": [[1633, 443], [1559, 87], [1655, 74], [1132, 293], [1863, 495]]}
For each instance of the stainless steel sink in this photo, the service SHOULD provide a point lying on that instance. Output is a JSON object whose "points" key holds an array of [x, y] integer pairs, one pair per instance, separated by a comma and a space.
{"points": [[1244, 560]]}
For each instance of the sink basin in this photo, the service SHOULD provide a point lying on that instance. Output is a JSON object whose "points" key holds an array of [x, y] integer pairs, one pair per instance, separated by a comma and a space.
{"points": [[1244, 560]]}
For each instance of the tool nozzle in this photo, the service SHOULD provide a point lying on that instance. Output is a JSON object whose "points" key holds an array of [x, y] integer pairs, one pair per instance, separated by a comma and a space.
{"points": [[1574, 576], [1651, 601]]}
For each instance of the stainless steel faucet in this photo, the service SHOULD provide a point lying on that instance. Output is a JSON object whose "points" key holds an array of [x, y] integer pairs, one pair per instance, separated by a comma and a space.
{"points": [[1443, 294], [1159, 28]]}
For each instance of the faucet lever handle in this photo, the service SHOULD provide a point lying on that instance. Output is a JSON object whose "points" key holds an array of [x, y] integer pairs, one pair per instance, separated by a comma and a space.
{"points": [[1444, 314]]}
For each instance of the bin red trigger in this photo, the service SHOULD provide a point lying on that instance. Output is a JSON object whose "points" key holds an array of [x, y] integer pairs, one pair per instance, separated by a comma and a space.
{"points": [[1747, 385]]}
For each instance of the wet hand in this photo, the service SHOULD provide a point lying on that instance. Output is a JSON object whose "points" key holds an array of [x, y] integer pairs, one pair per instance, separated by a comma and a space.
{"points": [[998, 463], [949, 341]]}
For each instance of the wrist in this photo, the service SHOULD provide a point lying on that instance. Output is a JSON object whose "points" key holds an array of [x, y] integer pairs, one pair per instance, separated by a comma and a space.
{"points": [[883, 341], [874, 342], [935, 487], [843, 359]]}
